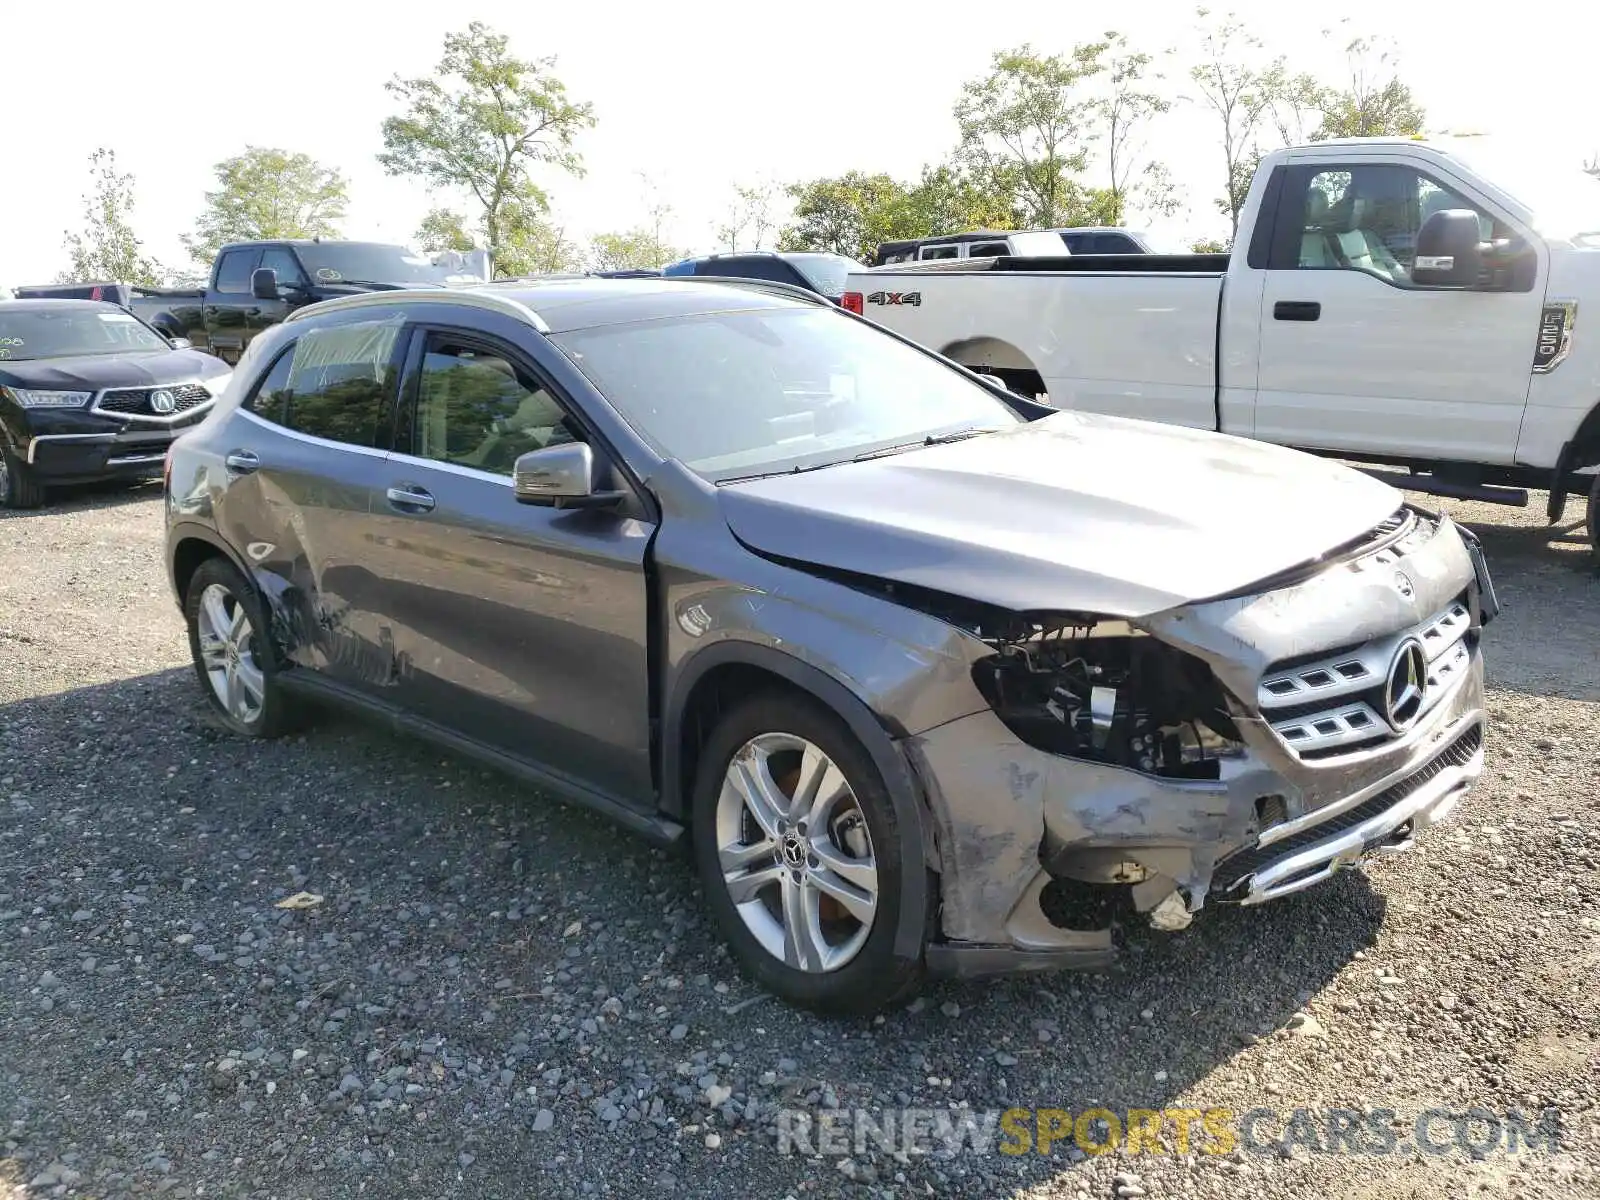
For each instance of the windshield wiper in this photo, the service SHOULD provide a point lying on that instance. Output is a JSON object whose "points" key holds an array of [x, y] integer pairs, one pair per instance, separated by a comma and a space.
{"points": [[933, 439]]}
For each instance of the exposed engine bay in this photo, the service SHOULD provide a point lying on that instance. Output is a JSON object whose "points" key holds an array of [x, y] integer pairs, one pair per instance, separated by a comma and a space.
{"points": [[1129, 701]]}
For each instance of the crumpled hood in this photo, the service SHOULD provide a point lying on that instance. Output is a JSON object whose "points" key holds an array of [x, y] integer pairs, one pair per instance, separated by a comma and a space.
{"points": [[1076, 512], [92, 372]]}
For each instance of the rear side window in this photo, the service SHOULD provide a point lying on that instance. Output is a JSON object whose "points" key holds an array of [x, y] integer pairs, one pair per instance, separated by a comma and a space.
{"points": [[336, 383], [986, 249], [928, 252], [233, 270]]}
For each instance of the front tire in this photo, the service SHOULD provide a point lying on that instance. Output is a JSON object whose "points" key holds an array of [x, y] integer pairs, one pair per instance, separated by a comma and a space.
{"points": [[232, 652], [19, 486], [802, 859], [1593, 520]]}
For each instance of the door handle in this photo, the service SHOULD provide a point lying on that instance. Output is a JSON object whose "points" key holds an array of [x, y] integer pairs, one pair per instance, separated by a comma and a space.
{"points": [[252, 312], [242, 461], [1296, 310], [410, 498]]}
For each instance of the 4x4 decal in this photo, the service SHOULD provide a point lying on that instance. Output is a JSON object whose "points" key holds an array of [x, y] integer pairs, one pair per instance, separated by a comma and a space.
{"points": [[912, 298]]}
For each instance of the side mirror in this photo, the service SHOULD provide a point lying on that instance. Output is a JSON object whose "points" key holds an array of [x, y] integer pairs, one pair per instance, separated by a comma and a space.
{"points": [[180, 343], [264, 283], [560, 477], [1449, 253]]}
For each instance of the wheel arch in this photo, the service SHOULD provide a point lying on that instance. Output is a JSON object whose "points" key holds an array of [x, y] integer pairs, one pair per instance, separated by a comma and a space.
{"points": [[192, 545], [1581, 450], [733, 669]]}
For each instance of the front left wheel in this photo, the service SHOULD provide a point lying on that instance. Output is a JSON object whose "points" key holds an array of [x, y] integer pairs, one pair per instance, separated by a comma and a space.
{"points": [[19, 487], [802, 858], [232, 653]]}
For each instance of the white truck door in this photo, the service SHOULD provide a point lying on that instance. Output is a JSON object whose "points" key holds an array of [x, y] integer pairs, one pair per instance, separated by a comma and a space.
{"points": [[1353, 355]]}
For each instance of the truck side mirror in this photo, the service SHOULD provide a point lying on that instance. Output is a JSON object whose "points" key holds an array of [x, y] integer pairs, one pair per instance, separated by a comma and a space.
{"points": [[1449, 253], [264, 283]]}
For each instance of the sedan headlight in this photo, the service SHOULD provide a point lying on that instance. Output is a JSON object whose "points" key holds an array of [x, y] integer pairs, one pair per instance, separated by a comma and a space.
{"points": [[34, 398], [217, 384]]}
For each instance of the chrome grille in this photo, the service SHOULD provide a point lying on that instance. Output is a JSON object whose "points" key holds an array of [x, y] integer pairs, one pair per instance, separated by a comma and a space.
{"points": [[135, 402], [1336, 702]]}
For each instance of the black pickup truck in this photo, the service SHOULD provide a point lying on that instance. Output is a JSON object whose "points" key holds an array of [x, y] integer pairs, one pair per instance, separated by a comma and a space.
{"points": [[254, 285]]}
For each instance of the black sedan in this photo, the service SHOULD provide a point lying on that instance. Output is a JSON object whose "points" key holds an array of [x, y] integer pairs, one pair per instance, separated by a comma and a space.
{"points": [[89, 392]]}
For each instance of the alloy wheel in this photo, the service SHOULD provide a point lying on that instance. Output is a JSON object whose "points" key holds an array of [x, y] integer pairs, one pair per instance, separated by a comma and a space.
{"points": [[795, 853], [227, 652]]}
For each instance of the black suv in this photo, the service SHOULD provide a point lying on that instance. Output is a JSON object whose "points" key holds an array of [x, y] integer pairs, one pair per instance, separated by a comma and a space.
{"points": [[824, 274]]}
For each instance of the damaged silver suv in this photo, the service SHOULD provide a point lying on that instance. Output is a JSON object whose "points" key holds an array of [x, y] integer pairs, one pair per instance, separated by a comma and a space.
{"points": [[914, 665]]}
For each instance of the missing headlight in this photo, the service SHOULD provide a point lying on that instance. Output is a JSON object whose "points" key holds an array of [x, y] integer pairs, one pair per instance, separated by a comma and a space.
{"points": [[1127, 701]]}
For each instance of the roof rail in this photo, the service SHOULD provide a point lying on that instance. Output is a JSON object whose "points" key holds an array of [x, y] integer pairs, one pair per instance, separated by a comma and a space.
{"points": [[474, 297], [793, 291]]}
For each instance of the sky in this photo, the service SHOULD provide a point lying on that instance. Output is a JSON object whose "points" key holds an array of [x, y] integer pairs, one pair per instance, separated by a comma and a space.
{"points": [[691, 98]]}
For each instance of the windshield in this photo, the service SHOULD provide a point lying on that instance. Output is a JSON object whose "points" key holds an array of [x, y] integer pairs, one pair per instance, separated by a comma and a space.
{"points": [[760, 392], [1564, 199], [368, 262], [825, 272], [31, 333]]}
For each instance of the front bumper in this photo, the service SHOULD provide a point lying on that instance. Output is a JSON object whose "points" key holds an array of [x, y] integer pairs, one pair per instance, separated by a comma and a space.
{"points": [[1010, 818], [81, 447]]}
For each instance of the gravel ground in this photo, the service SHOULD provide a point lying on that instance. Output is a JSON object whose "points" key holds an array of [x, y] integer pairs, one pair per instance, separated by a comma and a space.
{"points": [[504, 997]]}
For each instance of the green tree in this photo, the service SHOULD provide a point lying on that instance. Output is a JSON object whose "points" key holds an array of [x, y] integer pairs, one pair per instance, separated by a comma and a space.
{"points": [[1238, 93], [1027, 128], [1374, 103], [268, 193], [1210, 246], [644, 247], [442, 229], [480, 126], [532, 244], [106, 249], [749, 219], [845, 214], [1127, 107]]}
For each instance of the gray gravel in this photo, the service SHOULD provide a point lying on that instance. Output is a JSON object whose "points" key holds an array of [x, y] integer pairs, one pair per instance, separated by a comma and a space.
{"points": [[500, 996]]}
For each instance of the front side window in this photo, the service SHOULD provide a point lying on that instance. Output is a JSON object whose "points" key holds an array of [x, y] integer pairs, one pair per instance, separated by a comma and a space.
{"points": [[1366, 218], [284, 263], [735, 394], [234, 268], [336, 383], [476, 409]]}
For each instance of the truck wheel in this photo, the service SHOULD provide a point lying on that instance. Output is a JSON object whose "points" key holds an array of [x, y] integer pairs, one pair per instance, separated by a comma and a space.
{"points": [[795, 837], [1593, 520], [19, 487]]}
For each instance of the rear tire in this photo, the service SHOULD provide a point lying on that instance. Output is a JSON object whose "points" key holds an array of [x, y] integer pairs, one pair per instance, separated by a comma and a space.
{"points": [[233, 654], [19, 486], [795, 837]]}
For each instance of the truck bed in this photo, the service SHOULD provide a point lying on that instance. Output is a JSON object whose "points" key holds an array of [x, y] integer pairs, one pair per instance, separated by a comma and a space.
{"points": [[1064, 326]]}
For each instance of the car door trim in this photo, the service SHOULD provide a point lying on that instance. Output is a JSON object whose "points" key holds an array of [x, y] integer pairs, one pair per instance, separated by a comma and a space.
{"points": [[311, 438]]}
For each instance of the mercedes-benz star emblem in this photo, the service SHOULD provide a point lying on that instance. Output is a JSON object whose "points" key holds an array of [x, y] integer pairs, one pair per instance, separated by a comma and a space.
{"points": [[1408, 680], [162, 401], [1402, 584]]}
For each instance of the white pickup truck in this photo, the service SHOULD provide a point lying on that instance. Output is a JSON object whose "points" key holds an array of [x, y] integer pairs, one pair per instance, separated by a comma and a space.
{"points": [[1387, 301]]}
